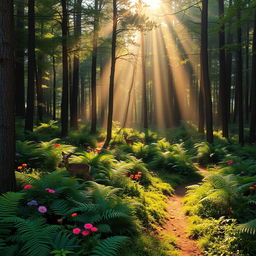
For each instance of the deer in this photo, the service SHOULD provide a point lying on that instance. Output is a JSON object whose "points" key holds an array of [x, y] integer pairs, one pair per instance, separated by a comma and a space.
{"points": [[128, 141], [76, 169]]}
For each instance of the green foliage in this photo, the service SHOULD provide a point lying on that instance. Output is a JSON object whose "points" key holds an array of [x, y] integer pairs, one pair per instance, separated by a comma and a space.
{"points": [[109, 246]]}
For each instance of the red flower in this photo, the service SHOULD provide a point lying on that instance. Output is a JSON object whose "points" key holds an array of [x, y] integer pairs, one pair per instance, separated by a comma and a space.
{"points": [[94, 229], [76, 231], [85, 233], [56, 144], [131, 176], [251, 187], [27, 186], [24, 165], [230, 162], [74, 214], [19, 167]]}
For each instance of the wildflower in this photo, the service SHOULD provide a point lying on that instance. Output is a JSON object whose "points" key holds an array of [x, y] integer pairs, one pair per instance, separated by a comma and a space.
{"points": [[42, 209], [24, 165], [251, 187], [32, 203], [88, 226], [131, 176], [56, 144], [60, 220], [27, 186], [85, 233], [230, 162], [74, 214], [76, 231], [50, 190], [19, 167], [94, 229], [139, 173]]}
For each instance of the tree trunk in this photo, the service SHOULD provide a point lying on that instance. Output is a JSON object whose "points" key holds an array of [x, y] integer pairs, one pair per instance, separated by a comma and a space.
{"points": [[94, 68], [253, 87], [205, 72], [39, 88], [223, 94], [112, 76], [54, 87], [76, 69], [7, 105], [19, 59], [31, 67], [64, 100], [144, 85], [240, 78]]}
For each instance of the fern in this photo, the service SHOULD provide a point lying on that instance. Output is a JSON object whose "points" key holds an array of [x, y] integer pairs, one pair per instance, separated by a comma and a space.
{"points": [[109, 246], [65, 242], [9, 204], [249, 227]]}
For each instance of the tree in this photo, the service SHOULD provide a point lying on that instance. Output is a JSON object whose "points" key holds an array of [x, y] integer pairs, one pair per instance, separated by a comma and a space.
{"points": [[29, 121], [223, 93], [64, 100], [205, 80], [19, 60], [7, 106], [253, 87], [76, 67], [239, 73], [112, 76]]}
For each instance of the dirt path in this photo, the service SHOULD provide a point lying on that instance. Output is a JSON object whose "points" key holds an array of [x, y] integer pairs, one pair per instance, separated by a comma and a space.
{"points": [[177, 224]]}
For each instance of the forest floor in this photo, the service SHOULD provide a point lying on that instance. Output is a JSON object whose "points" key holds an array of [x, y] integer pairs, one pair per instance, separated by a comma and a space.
{"points": [[177, 222]]}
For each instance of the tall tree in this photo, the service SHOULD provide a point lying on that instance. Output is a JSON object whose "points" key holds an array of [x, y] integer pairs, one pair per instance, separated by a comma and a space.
{"points": [[205, 80], [112, 76], [29, 121], [7, 89], [253, 87], [19, 60], [239, 72], [223, 93], [64, 100], [94, 65], [76, 67]]}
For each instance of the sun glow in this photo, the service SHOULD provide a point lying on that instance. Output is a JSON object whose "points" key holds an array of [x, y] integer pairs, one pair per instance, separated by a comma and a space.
{"points": [[153, 4]]}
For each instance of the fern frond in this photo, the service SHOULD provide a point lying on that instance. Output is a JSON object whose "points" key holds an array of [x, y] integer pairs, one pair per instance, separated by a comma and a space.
{"points": [[109, 246], [9, 204], [249, 227]]}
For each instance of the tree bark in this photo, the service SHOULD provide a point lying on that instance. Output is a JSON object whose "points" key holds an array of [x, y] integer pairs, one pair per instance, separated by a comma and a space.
{"points": [[253, 87], [39, 88], [29, 121], [64, 100], [205, 72], [19, 61], [54, 87], [144, 85], [7, 105], [76, 68], [240, 78], [223, 93], [112, 76], [94, 68]]}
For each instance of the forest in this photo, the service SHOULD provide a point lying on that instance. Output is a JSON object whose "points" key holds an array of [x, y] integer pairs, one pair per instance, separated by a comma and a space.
{"points": [[127, 128]]}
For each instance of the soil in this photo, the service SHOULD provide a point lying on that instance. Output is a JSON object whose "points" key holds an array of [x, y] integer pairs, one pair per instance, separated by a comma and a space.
{"points": [[177, 224]]}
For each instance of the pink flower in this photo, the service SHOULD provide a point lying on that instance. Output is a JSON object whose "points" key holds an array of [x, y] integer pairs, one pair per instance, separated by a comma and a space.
{"points": [[94, 229], [88, 226], [85, 233], [230, 162], [42, 209], [27, 186], [76, 231], [50, 190]]}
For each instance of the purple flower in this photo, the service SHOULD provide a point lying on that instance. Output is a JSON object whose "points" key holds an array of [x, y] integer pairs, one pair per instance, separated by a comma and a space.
{"points": [[42, 209], [32, 203]]}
